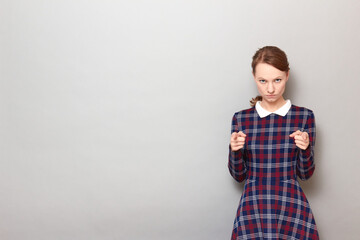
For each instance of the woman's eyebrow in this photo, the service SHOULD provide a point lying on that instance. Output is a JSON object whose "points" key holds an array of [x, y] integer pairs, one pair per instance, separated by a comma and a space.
{"points": [[266, 79]]}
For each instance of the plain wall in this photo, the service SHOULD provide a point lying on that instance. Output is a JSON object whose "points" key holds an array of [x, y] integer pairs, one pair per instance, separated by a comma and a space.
{"points": [[115, 116]]}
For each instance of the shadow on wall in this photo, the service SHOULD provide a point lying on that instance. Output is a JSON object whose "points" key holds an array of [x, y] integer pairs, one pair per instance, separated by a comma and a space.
{"points": [[312, 186]]}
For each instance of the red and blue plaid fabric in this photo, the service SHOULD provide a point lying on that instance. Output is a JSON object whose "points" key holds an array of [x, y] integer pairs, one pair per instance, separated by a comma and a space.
{"points": [[273, 205]]}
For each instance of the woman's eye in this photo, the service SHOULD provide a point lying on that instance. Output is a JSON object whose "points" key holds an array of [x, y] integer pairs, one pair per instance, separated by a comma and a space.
{"points": [[278, 80], [262, 81]]}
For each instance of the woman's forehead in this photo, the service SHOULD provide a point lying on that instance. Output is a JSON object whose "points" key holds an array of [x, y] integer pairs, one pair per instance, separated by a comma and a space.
{"points": [[264, 70]]}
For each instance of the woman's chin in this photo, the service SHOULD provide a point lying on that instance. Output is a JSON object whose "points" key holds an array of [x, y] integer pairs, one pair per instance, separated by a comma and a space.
{"points": [[272, 100]]}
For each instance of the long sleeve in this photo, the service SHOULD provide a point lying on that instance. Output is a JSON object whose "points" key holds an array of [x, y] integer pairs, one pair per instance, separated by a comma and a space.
{"points": [[305, 165], [237, 163]]}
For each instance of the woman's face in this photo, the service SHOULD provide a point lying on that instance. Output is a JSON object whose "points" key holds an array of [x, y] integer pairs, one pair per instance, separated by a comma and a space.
{"points": [[270, 82]]}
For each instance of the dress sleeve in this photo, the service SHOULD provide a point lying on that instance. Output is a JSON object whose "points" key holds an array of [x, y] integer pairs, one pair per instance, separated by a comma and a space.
{"points": [[237, 163], [305, 165]]}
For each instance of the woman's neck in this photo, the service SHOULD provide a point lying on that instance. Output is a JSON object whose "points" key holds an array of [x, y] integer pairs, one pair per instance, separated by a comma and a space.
{"points": [[273, 106]]}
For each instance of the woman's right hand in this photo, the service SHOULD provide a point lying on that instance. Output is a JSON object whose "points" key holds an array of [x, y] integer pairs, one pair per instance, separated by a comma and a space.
{"points": [[237, 141]]}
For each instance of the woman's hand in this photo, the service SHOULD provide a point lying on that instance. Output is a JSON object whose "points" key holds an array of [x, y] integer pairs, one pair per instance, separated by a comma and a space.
{"points": [[301, 139], [237, 140]]}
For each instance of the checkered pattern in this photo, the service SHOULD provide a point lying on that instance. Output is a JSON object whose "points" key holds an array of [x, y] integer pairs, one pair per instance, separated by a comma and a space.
{"points": [[273, 205]]}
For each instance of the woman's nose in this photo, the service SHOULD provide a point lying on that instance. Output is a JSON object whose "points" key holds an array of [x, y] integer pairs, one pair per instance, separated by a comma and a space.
{"points": [[270, 88]]}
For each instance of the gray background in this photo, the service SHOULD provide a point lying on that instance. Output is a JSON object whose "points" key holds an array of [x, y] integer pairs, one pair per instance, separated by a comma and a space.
{"points": [[115, 115]]}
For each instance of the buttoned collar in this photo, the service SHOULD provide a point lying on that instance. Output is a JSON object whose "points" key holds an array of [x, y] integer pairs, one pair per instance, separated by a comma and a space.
{"points": [[281, 111]]}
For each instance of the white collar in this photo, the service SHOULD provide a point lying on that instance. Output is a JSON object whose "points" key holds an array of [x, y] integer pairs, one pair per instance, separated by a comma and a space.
{"points": [[281, 111]]}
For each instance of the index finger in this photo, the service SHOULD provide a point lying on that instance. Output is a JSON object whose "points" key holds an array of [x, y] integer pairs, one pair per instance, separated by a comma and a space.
{"points": [[241, 134], [234, 135], [298, 132]]}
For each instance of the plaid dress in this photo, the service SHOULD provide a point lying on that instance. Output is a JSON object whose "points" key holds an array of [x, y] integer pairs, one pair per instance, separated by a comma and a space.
{"points": [[273, 205]]}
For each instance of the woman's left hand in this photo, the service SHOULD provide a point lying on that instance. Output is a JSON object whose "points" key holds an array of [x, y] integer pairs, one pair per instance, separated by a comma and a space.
{"points": [[301, 139]]}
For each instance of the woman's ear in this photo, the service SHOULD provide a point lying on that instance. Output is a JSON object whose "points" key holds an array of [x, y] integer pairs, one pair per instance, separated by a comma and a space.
{"points": [[287, 75]]}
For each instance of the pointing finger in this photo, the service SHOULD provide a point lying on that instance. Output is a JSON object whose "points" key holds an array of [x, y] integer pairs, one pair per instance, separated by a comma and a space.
{"points": [[295, 133], [299, 137], [234, 136], [241, 134]]}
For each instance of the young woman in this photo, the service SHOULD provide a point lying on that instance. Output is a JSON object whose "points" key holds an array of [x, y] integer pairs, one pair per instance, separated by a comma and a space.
{"points": [[272, 143]]}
